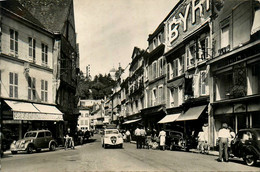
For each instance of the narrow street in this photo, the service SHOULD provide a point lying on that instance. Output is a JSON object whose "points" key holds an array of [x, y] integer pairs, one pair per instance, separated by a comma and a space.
{"points": [[92, 157]]}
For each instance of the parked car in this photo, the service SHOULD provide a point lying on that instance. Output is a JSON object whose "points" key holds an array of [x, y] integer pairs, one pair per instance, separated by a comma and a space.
{"points": [[111, 137], [176, 140], [246, 145], [34, 140]]}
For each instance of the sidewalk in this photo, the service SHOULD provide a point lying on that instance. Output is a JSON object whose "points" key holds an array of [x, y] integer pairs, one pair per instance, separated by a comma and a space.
{"points": [[213, 153]]}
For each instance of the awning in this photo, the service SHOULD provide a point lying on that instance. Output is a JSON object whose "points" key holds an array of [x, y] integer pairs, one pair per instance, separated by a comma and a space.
{"points": [[32, 112], [131, 121], [47, 109], [21, 106], [256, 22], [169, 118], [175, 84], [192, 114]]}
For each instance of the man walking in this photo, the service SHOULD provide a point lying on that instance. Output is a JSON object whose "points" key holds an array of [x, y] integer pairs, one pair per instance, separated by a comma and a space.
{"points": [[138, 136], [223, 136], [143, 134]]}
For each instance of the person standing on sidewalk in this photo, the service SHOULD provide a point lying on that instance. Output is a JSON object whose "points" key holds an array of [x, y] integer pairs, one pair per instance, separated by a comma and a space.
{"points": [[162, 136], [223, 136], [138, 136], [128, 135], [143, 134]]}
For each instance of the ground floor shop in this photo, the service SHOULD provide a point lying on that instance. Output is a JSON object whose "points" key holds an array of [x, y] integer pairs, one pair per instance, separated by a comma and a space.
{"points": [[18, 117], [237, 113]]}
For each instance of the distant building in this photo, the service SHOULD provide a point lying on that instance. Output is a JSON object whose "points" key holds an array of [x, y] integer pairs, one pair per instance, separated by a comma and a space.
{"points": [[88, 71]]}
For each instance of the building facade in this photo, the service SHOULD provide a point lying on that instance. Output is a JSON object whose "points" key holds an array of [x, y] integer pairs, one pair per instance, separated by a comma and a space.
{"points": [[234, 79], [27, 73], [58, 18]]}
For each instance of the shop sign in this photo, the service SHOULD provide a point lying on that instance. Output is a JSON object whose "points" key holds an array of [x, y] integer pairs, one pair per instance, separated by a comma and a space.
{"points": [[37, 116], [184, 20]]}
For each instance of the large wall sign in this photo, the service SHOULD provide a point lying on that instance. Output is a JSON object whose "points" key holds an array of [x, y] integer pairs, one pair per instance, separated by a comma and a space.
{"points": [[187, 18]]}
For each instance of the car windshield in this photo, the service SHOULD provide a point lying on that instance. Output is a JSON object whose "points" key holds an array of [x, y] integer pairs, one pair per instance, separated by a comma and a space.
{"points": [[30, 134], [111, 132]]}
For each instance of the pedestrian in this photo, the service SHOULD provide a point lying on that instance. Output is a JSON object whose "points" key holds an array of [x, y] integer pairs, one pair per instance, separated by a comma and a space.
{"points": [[230, 139], [205, 129], [201, 141], [143, 135], [162, 136], [128, 135], [223, 136], [137, 136]]}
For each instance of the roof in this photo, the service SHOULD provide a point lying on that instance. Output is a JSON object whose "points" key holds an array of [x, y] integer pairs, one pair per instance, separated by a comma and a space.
{"points": [[15, 7], [51, 13]]}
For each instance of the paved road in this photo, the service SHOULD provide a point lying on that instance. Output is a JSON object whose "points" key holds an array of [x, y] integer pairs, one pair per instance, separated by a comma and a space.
{"points": [[92, 157]]}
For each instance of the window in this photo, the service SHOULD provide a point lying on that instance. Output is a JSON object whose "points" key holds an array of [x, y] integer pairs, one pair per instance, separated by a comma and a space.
{"points": [[31, 88], [169, 71], [32, 45], [188, 57], [225, 36], [159, 39], [13, 85], [192, 54], [40, 134], [154, 97], [44, 90], [86, 115], [44, 54], [204, 49], [154, 71], [182, 64], [160, 95], [175, 67], [154, 43], [47, 134], [14, 41], [202, 83], [86, 122], [160, 67]]}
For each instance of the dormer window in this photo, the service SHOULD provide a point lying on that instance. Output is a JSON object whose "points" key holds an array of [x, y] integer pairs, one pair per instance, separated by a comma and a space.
{"points": [[159, 39], [154, 43]]}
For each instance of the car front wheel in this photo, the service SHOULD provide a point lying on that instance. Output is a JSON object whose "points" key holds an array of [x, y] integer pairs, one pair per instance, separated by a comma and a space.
{"points": [[52, 147], [29, 149], [250, 159]]}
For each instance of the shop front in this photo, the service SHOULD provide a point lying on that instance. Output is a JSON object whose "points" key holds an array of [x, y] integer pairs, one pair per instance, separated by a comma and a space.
{"points": [[238, 114], [151, 116], [19, 117]]}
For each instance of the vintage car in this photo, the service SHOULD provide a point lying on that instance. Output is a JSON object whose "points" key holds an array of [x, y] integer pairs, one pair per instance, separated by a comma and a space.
{"points": [[111, 137], [34, 140], [176, 140], [246, 145]]}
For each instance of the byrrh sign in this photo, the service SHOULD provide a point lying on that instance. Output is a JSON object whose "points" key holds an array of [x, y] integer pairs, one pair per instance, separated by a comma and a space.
{"points": [[187, 18]]}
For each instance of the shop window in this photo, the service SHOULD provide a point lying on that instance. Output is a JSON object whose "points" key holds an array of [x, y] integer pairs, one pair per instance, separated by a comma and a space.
{"points": [[32, 46], [14, 42], [31, 88], [13, 85]]}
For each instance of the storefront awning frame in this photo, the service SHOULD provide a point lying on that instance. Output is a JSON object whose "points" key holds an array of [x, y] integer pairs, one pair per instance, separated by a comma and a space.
{"points": [[192, 114], [132, 121], [169, 118]]}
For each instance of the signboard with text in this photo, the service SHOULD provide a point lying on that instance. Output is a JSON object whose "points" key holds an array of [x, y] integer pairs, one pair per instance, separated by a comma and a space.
{"points": [[187, 18]]}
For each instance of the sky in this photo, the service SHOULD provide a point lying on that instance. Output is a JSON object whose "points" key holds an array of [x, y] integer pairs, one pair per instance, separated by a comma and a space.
{"points": [[108, 30]]}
